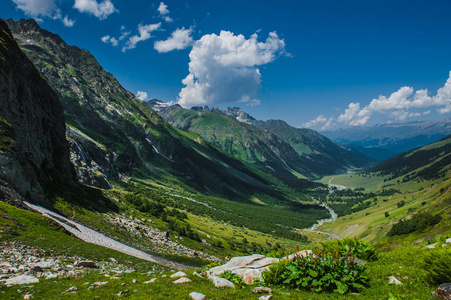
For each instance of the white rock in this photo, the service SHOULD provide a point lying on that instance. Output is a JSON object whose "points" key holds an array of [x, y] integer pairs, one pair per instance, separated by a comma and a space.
{"points": [[51, 276], [267, 297], [22, 279], [197, 274], [392, 280], [28, 296], [178, 275], [221, 282], [251, 274], [431, 246], [181, 280], [303, 253], [448, 241], [99, 283], [197, 296], [150, 281]]}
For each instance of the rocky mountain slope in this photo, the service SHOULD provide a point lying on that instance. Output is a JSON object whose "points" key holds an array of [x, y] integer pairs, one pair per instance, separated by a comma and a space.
{"points": [[33, 149], [272, 144], [395, 138], [112, 132]]}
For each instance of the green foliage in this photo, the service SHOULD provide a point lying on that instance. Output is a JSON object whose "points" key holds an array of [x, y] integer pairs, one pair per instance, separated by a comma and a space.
{"points": [[323, 273], [437, 265], [417, 223], [351, 247], [233, 278]]}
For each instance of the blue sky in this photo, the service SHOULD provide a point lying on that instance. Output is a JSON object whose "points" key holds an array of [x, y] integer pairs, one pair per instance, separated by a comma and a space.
{"points": [[321, 64]]}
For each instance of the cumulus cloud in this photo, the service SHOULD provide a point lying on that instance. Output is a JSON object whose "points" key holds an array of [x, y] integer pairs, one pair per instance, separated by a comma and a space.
{"points": [[164, 12], [224, 68], [100, 10], [144, 34], [43, 8], [179, 39], [399, 104], [107, 39], [320, 122], [142, 95]]}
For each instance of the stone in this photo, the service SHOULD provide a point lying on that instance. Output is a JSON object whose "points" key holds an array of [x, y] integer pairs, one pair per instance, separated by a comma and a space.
{"points": [[221, 282], [261, 290], [122, 293], [431, 246], [113, 260], [182, 280], [197, 296], [85, 264], [150, 281], [21, 279], [100, 283], [266, 297], [51, 276], [251, 274], [235, 263], [448, 241], [361, 262], [70, 290], [444, 291], [28, 296], [303, 253], [178, 275], [37, 269], [134, 281], [392, 280], [197, 274]]}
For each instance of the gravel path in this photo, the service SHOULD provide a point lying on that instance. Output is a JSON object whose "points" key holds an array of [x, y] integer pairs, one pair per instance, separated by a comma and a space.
{"points": [[88, 235]]}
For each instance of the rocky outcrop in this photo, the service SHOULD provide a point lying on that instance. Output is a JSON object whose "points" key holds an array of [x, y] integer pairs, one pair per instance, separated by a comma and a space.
{"points": [[444, 291], [33, 147]]}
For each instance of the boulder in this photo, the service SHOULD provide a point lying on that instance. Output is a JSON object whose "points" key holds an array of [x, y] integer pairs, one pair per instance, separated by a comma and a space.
{"points": [[86, 264], [221, 282], [251, 274], [178, 275], [303, 253], [393, 280], [238, 262], [261, 290], [266, 297], [444, 291], [150, 281], [197, 296], [21, 279], [182, 280]]}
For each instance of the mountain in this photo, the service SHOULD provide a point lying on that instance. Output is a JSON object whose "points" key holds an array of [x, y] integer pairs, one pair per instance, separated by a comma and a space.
{"points": [[33, 147], [112, 133], [243, 141], [395, 138], [429, 162], [273, 144]]}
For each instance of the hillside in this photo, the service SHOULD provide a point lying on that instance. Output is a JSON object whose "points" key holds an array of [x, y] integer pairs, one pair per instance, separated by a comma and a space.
{"points": [[396, 138], [273, 144]]}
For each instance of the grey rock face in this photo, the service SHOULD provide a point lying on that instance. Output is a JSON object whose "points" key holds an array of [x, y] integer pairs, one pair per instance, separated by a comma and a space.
{"points": [[32, 123]]}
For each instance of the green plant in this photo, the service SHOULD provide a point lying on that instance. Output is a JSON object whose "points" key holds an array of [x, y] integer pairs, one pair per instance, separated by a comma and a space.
{"points": [[351, 247], [277, 272], [322, 273], [417, 223], [235, 279], [437, 265]]}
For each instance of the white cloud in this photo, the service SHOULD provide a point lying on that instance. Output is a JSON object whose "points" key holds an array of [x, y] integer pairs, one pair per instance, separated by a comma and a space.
{"points": [[164, 11], [179, 39], [107, 39], [142, 95], [124, 34], [67, 22], [100, 10], [320, 122], [43, 8], [37, 8], [223, 68], [144, 34], [399, 104]]}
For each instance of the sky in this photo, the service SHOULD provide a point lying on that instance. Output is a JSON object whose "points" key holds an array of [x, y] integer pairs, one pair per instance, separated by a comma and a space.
{"points": [[318, 64]]}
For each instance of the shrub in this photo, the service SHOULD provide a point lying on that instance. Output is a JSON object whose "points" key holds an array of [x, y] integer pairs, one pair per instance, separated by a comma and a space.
{"points": [[351, 247], [417, 223], [437, 265], [235, 279], [323, 273]]}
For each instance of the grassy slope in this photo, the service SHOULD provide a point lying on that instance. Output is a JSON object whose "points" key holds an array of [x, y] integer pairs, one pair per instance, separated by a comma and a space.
{"points": [[36, 230]]}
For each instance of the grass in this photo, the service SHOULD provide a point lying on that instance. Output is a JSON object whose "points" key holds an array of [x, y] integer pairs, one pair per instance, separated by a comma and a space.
{"points": [[370, 183]]}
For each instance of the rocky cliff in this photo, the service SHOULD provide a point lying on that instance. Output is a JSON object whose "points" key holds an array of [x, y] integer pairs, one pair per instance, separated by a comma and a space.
{"points": [[33, 147]]}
